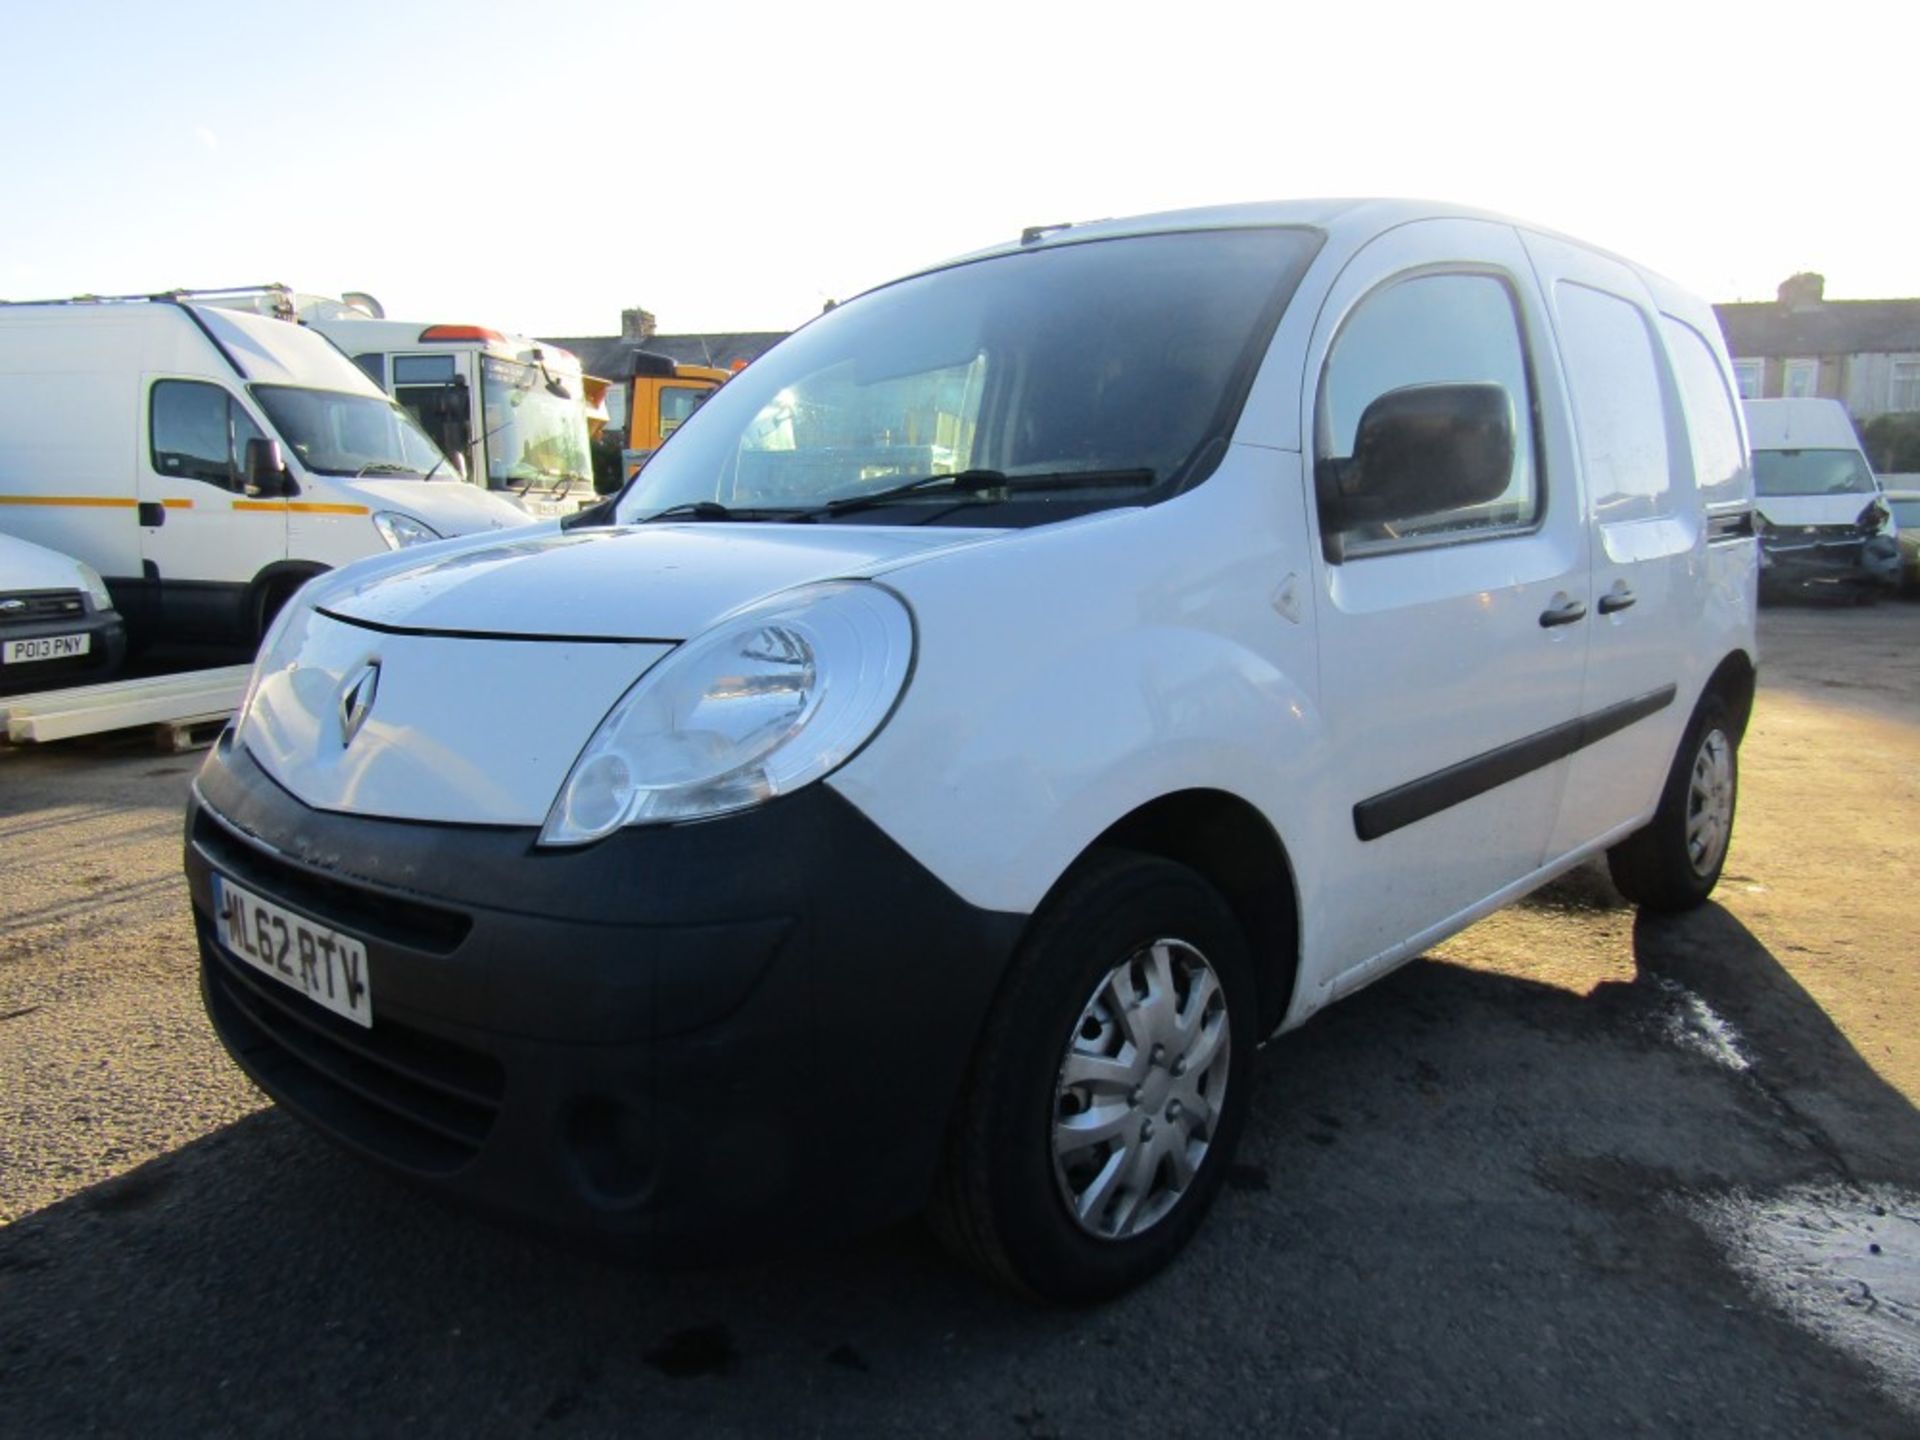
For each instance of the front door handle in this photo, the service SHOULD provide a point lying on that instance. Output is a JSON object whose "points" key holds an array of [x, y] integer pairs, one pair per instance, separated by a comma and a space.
{"points": [[1564, 611], [1618, 598]]}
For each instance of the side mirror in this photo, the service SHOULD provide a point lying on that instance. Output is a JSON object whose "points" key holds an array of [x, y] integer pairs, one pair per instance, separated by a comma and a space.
{"points": [[265, 471], [1419, 450]]}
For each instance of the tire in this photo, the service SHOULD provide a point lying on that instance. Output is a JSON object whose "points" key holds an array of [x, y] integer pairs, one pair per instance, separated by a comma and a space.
{"points": [[1674, 863], [1121, 923]]}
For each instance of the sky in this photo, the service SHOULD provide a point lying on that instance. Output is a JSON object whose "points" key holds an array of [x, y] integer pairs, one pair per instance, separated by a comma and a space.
{"points": [[535, 167]]}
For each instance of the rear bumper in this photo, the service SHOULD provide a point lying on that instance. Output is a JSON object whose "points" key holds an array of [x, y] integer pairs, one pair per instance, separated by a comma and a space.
{"points": [[715, 1037], [106, 650]]}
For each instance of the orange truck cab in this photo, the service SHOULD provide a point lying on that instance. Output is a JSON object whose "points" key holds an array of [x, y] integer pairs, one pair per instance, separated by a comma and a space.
{"points": [[659, 394]]}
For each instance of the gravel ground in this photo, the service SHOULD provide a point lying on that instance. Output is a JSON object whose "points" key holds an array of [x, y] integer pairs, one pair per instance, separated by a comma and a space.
{"points": [[1529, 1185]]}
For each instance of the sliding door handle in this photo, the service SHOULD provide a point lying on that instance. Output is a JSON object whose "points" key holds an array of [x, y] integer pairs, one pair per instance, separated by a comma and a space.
{"points": [[1617, 599], [1564, 611]]}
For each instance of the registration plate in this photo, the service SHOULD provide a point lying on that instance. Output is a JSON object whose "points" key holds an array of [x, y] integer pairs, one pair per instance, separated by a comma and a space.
{"points": [[46, 647], [326, 966]]}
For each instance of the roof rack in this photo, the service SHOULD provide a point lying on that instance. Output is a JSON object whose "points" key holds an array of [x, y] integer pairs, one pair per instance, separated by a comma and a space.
{"points": [[279, 295]]}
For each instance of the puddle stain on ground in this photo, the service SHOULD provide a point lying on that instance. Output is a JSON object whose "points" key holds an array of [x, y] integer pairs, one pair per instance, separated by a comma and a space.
{"points": [[689, 1354], [1840, 1262], [1691, 1023]]}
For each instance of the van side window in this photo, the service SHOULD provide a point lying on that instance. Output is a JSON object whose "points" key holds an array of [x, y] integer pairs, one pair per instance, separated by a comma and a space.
{"points": [[1436, 329], [1619, 403], [1713, 430], [192, 432]]}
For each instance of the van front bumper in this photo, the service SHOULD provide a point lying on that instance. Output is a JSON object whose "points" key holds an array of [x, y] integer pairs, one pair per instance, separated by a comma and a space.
{"points": [[106, 649], [708, 1038], [1812, 556]]}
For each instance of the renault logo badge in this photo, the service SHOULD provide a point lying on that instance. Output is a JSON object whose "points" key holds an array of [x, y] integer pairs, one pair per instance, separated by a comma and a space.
{"points": [[356, 700]]}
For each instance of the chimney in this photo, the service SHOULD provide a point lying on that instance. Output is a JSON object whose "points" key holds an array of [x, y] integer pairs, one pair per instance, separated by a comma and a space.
{"points": [[636, 324], [1804, 291]]}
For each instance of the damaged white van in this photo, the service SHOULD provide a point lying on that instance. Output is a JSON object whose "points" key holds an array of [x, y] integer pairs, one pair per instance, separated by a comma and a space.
{"points": [[992, 716]]}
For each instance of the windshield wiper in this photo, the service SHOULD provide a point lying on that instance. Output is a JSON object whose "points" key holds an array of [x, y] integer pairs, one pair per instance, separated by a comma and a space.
{"points": [[385, 467], [981, 482], [714, 510]]}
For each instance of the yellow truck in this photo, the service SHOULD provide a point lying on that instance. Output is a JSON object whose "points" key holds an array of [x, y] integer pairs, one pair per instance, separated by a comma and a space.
{"points": [[650, 403]]}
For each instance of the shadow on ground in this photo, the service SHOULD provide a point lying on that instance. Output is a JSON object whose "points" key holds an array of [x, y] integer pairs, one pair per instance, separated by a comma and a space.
{"points": [[1453, 1214]]}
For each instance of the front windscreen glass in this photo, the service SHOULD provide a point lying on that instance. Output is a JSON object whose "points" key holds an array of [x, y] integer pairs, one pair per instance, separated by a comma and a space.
{"points": [[1906, 514], [536, 427], [1048, 369], [336, 433], [1811, 472]]}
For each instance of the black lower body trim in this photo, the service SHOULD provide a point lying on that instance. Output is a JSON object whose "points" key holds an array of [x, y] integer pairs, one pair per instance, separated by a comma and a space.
{"points": [[1401, 806]]}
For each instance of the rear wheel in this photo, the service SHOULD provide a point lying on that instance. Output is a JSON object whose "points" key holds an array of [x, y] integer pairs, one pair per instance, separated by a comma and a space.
{"points": [[1109, 1087], [1674, 863]]}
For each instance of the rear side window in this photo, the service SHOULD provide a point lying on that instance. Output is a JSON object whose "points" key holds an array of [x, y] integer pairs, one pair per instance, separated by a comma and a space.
{"points": [[1713, 431], [1619, 405], [192, 432], [1431, 329]]}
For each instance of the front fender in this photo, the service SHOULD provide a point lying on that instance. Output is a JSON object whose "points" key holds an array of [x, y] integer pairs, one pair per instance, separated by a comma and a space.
{"points": [[1064, 680]]}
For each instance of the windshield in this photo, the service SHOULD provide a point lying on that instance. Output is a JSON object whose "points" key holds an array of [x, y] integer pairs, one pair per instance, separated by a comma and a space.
{"points": [[1907, 512], [1111, 356], [1811, 472], [534, 437], [336, 433]]}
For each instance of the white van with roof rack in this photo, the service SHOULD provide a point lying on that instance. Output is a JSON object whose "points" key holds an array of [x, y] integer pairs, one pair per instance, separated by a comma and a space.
{"points": [[207, 463], [995, 713], [511, 411]]}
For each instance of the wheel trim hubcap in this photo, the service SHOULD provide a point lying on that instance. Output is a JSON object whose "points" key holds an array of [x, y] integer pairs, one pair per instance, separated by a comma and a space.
{"points": [[1138, 1094], [1710, 802]]}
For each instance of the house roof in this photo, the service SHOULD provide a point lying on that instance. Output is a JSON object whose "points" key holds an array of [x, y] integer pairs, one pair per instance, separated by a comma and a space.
{"points": [[611, 356], [1767, 328]]}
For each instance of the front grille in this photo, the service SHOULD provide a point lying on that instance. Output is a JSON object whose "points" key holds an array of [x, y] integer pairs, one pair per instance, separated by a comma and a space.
{"points": [[413, 1099], [1828, 534], [412, 923], [21, 606]]}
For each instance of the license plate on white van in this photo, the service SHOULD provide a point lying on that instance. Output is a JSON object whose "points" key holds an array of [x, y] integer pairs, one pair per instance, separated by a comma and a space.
{"points": [[46, 647], [327, 966]]}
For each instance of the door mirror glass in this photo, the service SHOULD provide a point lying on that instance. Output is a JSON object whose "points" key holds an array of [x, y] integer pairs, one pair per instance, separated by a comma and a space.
{"points": [[1421, 450]]}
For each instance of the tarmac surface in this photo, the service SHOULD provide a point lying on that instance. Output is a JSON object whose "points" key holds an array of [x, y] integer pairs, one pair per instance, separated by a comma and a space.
{"points": [[1490, 1195]]}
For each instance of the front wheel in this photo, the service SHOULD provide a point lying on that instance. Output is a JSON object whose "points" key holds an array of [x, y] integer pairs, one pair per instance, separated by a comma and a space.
{"points": [[1674, 863], [1109, 1088]]}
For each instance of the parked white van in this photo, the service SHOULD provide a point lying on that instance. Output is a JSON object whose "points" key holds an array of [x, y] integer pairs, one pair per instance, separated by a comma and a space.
{"points": [[1822, 520], [208, 463], [1017, 696], [57, 622]]}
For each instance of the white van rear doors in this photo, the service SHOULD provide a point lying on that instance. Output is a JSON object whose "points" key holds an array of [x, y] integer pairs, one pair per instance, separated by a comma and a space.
{"points": [[199, 529], [1649, 536], [1451, 644]]}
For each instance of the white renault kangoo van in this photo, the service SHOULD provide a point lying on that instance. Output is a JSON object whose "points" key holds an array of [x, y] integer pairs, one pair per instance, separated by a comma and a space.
{"points": [[1001, 709], [1822, 519], [208, 463]]}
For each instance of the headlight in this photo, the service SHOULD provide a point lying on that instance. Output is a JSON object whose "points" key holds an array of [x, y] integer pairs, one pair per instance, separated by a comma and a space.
{"points": [[1873, 519], [770, 699], [400, 531], [96, 587]]}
